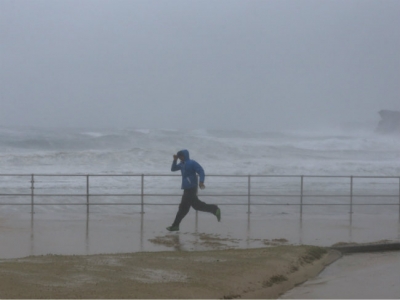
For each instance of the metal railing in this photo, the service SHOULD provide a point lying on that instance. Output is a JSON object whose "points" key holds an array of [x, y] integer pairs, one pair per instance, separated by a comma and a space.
{"points": [[253, 190]]}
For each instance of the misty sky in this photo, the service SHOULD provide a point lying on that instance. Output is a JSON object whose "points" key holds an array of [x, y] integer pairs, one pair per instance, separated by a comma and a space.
{"points": [[213, 64]]}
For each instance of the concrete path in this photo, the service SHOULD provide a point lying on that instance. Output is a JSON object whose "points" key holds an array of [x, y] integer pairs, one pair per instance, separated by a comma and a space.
{"points": [[355, 276], [24, 234]]}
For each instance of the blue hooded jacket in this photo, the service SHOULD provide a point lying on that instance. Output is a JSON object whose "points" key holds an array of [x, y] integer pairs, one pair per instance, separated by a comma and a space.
{"points": [[189, 168]]}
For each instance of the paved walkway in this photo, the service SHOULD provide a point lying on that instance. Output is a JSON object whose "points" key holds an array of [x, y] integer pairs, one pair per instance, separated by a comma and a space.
{"points": [[23, 234], [355, 276]]}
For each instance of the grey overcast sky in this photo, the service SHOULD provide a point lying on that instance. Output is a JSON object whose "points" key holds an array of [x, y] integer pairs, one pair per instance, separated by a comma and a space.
{"points": [[212, 64]]}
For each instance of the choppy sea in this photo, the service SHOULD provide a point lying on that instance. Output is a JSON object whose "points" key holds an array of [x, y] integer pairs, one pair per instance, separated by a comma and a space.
{"points": [[220, 152], [132, 151]]}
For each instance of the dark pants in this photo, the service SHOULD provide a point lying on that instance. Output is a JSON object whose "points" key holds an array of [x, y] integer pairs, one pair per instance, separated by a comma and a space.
{"points": [[189, 199]]}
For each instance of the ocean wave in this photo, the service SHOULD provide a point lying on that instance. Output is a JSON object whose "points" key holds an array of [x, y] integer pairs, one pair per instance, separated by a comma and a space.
{"points": [[220, 152]]}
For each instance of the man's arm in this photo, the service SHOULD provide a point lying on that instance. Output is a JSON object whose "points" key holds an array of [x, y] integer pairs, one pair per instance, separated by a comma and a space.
{"points": [[199, 170], [175, 166]]}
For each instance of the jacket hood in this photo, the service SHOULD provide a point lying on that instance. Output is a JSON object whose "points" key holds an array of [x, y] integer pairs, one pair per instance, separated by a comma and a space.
{"points": [[185, 154]]}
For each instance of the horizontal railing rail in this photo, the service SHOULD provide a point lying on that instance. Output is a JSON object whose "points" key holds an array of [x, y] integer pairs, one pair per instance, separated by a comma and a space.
{"points": [[250, 187]]}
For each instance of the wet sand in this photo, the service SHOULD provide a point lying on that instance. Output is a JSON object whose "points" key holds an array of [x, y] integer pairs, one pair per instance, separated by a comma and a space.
{"points": [[239, 273]]}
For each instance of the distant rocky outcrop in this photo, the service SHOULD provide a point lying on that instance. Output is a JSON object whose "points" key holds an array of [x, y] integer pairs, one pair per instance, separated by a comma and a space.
{"points": [[390, 122]]}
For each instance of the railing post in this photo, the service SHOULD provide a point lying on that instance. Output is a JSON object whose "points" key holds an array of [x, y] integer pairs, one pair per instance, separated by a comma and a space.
{"points": [[142, 195], [301, 195], [87, 194], [32, 192], [248, 193], [351, 194], [399, 199]]}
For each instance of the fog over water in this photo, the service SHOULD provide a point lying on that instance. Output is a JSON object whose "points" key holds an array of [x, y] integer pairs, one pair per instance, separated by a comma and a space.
{"points": [[228, 64], [249, 87]]}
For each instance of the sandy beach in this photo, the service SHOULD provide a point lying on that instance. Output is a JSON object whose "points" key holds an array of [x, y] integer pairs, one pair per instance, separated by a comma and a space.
{"points": [[228, 274]]}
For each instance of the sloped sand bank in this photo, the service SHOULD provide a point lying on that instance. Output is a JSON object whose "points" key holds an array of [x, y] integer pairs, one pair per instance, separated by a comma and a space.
{"points": [[239, 273]]}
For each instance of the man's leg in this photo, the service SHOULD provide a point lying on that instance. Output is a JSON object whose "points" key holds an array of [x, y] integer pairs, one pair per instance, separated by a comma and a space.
{"points": [[184, 208], [199, 205]]}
